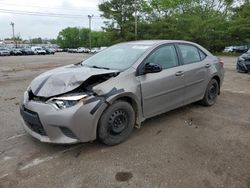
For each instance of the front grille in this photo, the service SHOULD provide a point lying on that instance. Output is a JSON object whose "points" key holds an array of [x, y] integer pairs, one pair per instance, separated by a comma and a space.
{"points": [[32, 121]]}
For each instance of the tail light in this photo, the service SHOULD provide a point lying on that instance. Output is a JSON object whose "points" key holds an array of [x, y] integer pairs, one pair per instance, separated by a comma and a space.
{"points": [[221, 62]]}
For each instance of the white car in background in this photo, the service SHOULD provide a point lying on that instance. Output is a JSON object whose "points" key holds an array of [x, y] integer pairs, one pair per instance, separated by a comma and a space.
{"points": [[229, 49], [81, 50], [4, 52], [38, 50], [94, 50], [97, 50]]}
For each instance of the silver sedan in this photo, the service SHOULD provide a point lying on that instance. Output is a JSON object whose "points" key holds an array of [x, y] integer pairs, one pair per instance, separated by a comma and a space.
{"points": [[112, 92]]}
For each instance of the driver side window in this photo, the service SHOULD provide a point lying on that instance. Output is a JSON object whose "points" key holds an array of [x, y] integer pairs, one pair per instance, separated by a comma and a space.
{"points": [[165, 56]]}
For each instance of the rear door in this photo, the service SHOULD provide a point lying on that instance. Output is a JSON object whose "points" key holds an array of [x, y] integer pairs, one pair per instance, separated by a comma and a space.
{"points": [[164, 90], [195, 66]]}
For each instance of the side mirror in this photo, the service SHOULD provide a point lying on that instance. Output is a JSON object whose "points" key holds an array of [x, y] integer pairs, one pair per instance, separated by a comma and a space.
{"points": [[152, 68]]}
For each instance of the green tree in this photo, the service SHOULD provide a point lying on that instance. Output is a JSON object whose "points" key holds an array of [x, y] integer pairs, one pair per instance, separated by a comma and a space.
{"points": [[121, 18], [240, 24], [207, 22], [73, 37], [99, 38], [69, 37]]}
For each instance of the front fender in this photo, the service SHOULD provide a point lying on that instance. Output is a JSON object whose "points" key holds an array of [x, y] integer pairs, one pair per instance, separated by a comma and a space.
{"points": [[135, 102]]}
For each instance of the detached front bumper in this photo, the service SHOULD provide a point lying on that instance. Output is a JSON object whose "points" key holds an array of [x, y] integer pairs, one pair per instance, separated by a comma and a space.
{"points": [[65, 126]]}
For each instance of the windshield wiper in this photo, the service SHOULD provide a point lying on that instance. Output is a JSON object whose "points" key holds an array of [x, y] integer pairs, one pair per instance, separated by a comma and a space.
{"points": [[98, 67]]}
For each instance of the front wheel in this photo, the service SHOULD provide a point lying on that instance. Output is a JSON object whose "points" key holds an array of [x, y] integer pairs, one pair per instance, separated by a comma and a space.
{"points": [[116, 123], [211, 93]]}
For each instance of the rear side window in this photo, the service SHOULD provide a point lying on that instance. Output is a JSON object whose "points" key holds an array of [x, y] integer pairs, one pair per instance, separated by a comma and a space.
{"points": [[165, 56], [191, 54], [202, 55]]}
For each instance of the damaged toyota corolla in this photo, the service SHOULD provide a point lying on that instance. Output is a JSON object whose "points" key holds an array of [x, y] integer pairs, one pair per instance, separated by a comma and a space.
{"points": [[110, 93]]}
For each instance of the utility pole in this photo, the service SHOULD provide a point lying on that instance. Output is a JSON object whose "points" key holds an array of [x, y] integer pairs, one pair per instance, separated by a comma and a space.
{"points": [[136, 18], [13, 32], [90, 19]]}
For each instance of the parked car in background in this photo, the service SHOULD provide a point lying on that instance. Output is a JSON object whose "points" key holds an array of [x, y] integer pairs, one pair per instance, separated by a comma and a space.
{"points": [[58, 50], [49, 51], [15, 51], [27, 51], [95, 50], [38, 50], [98, 49], [229, 49], [111, 92], [243, 63], [72, 50], [240, 49], [81, 50], [87, 50], [4, 52]]}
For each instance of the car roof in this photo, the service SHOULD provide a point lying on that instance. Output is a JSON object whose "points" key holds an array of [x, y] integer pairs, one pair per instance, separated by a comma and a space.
{"points": [[156, 42]]}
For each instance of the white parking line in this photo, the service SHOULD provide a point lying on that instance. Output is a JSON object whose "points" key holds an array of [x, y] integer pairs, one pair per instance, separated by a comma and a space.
{"points": [[12, 137], [16, 136], [35, 162], [3, 176], [6, 158], [236, 91], [38, 161]]}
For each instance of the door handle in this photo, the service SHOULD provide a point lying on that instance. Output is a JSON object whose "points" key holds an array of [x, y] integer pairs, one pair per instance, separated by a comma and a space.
{"points": [[179, 73], [208, 65]]}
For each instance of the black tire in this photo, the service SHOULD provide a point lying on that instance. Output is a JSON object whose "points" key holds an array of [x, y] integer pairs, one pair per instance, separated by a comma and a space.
{"points": [[116, 123], [211, 93]]}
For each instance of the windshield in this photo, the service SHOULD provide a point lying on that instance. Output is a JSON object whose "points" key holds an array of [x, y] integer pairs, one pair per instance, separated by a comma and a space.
{"points": [[118, 57]]}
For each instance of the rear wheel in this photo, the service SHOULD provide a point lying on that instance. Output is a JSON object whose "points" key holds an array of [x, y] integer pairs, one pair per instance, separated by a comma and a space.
{"points": [[211, 94], [116, 123]]}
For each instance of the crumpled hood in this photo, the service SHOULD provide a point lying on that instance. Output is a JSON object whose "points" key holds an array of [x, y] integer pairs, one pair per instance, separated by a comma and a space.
{"points": [[63, 79]]}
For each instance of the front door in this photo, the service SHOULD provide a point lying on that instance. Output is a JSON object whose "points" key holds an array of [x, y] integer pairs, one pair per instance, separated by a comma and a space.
{"points": [[164, 90]]}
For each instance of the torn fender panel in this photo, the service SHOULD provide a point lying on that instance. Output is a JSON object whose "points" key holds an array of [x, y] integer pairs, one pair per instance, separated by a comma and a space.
{"points": [[130, 85], [62, 80], [102, 98]]}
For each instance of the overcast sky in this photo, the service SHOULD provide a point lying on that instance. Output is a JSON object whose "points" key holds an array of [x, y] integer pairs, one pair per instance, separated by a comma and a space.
{"points": [[43, 26]]}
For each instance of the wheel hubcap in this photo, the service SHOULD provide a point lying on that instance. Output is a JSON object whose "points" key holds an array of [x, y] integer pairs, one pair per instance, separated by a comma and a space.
{"points": [[118, 122], [212, 93]]}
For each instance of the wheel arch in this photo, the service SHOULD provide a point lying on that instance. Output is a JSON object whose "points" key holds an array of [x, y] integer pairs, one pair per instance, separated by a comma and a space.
{"points": [[133, 100]]}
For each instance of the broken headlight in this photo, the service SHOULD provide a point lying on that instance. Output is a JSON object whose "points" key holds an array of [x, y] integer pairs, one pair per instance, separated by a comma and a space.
{"points": [[66, 101]]}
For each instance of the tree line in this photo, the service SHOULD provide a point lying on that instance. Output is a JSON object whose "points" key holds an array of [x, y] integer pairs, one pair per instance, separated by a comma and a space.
{"points": [[211, 23], [73, 37]]}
